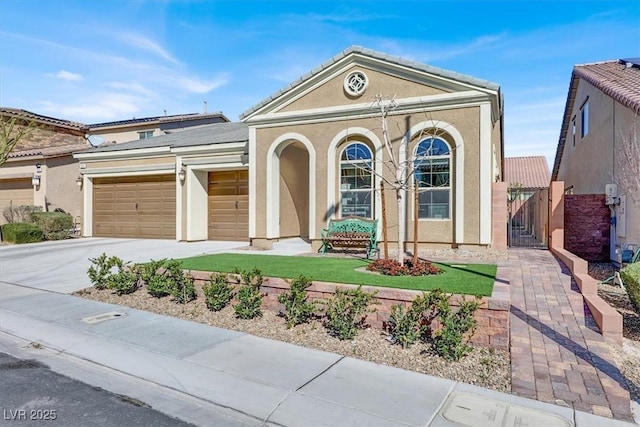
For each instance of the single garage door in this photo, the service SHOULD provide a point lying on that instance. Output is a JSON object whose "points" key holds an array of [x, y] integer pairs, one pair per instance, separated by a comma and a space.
{"points": [[229, 205], [135, 206], [15, 192]]}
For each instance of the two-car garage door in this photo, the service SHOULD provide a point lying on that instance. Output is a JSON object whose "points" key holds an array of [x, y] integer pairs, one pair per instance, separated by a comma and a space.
{"points": [[135, 206]]}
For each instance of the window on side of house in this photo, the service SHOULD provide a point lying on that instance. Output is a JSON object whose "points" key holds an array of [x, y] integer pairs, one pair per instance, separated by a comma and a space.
{"points": [[356, 181], [584, 119], [433, 176], [145, 134], [573, 130]]}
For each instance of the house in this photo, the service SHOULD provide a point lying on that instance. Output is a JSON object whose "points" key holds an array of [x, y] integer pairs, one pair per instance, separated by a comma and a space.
{"points": [[148, 127], [41, 170], [311, 152], [528, 179], [598, 150]]}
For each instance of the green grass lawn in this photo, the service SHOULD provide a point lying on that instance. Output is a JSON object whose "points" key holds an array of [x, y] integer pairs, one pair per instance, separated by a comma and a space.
{"points": [[460, 278]]}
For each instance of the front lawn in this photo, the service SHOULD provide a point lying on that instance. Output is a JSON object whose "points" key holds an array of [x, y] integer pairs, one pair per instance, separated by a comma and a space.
{"points": [[459, 278]]}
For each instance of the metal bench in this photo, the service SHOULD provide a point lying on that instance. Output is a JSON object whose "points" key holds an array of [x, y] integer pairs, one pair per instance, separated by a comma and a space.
{"points": [[351, 232]]}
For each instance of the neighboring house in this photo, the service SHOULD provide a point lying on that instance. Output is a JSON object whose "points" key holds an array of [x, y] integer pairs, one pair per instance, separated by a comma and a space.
{"points": [[282, 171], [528, 180], [599, 143], [148, 127], [41, 169]]}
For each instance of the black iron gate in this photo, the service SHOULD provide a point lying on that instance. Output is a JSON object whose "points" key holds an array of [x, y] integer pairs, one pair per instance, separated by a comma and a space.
{"points": [[528, 217]]}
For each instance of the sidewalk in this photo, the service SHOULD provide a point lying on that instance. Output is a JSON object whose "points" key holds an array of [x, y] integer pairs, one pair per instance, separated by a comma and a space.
{"points": [[220, 377], [557, 353]]}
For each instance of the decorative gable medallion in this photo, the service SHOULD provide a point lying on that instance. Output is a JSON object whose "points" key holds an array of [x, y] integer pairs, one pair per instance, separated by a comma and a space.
{"points": [[356, 83]]}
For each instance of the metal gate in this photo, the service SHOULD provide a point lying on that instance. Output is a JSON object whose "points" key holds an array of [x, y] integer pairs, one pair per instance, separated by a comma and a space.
{"points": [[528, 217]]}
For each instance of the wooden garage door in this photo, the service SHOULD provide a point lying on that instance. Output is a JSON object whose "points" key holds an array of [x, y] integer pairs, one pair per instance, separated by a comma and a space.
{"points": [[135, 206], [229, 205], [15, 192]]}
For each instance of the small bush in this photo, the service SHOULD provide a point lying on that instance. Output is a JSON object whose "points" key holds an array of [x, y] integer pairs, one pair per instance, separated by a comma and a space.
{"points": [[184, 290], [346, 312], [21, 232], [101, 268], [631, 278], [451, 340], [22, 213], [55, 225], [391, 267], [125, 281], [217, 293], [249, 296], [297, 308], [157, 277]]}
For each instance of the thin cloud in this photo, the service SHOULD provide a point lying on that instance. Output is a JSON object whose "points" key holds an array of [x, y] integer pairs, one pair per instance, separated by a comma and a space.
{"points": [[132, 87], [146, 44], [68, 75], [201, 86], [99, 106]]}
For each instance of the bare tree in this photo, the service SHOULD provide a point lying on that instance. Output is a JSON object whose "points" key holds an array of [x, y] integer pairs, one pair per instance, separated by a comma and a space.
{"points": [[628, 162], [399, 164], [11, 132]]}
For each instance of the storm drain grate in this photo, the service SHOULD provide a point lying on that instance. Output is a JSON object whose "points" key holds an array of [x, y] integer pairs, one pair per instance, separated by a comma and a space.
{"points": [[102, 317], [467, 409]]}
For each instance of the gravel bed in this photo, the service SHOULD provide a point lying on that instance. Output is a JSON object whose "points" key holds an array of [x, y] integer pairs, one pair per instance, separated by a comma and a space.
{"points": [[483, 367], [627, 357]]}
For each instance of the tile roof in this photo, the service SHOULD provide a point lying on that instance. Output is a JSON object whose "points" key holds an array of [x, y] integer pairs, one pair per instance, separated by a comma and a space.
{"points": [[618, 79], [50, 151], [531, 171], [215, 133], [377, 55], [161, 119], [28, 115]]}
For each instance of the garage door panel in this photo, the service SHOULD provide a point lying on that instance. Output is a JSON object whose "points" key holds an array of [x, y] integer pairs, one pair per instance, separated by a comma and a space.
{"points": [[15, 192], [228, 205], [135, 206]]}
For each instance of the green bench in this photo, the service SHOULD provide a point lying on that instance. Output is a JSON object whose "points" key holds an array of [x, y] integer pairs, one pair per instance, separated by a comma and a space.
{"points": [[351, 232]]}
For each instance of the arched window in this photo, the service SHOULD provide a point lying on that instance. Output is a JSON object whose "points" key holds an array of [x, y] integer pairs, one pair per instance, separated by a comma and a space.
{"points": [[356, 181], [433, 176]]}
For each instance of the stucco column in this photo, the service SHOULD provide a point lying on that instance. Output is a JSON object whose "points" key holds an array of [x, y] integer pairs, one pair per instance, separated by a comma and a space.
{"points": [[556, 215]]}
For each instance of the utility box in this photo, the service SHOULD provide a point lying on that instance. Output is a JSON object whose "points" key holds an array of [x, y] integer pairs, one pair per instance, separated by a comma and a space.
{"points": [[611, 190]]}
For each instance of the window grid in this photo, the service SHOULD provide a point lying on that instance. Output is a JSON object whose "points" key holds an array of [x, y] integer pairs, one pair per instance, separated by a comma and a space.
{"points": [[356, 181], [433, 178]]}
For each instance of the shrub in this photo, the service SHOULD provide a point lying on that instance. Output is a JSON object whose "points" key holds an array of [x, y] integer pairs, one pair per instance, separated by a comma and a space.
{"points": [[217, 293], [157, 277], [249, 296], [125, 281], [21, 232], [55, 225], [346, 312], [406, 327], [101, 269], [451, 340], [184, 290], [22, 213], [297, 308], [391, 267], [631, 278]]}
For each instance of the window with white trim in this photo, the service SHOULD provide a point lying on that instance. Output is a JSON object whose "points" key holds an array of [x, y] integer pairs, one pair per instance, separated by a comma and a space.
{"points": [[433, 177], [356, 181], [584, 119], [145, 134]]}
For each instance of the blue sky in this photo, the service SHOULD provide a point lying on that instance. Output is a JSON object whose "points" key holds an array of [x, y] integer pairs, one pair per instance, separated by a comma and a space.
{"points": [[96, 61]]}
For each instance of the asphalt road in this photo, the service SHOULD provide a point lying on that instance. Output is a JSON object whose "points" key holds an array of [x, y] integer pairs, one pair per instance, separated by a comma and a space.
{"points": [[32, 395]]}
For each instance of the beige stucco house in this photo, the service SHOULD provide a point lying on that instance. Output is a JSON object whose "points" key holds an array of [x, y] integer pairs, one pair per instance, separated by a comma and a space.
{"points": [[312, 152], [599, 151], [41, 170], [148, 127]]}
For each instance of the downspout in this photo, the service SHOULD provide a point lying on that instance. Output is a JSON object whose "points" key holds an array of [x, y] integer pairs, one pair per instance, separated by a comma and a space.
{"points": [[613, 229]]}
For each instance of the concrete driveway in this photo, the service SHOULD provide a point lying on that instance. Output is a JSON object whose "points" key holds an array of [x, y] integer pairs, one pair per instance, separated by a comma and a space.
{"points": [[61, 266]]}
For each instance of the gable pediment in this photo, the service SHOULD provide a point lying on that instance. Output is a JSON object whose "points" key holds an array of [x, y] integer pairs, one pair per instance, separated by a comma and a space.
{"points": [[324, 89]]}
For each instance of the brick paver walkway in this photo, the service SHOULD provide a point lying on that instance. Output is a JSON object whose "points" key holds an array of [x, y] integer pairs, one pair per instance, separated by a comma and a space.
{"points": [[557, 355]]}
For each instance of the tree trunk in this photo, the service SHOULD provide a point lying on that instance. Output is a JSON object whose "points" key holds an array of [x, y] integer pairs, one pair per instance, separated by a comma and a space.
{"points": [[401, 221]]}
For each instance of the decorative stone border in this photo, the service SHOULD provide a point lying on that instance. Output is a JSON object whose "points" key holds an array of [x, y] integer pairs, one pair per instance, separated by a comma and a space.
{"points": [[493, 315]]}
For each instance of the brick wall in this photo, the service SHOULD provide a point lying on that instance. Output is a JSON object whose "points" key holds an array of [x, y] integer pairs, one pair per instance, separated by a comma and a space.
{"points": [[492, 316], [586, 226]]}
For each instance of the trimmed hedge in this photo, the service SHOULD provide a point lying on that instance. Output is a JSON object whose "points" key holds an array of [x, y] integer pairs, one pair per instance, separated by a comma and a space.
{"points": [[631, 279], [55, 225], [21, 232]]}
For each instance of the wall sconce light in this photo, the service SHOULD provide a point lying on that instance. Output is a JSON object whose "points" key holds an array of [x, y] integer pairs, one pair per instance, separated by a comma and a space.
{"points": [[182, 175], [38, 168], [79, 181], [35, 180]]}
